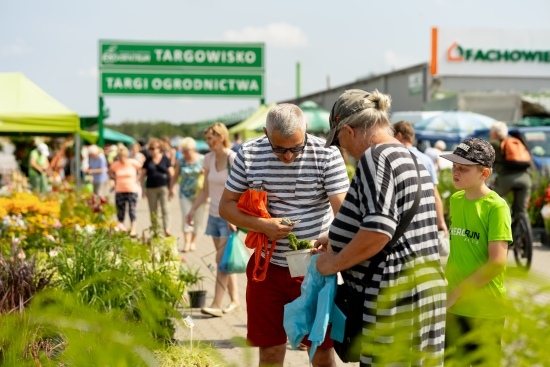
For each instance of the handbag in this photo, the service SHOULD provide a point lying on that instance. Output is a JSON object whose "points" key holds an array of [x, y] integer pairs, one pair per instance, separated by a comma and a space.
{"points": [[235, 257], [350, 302]]}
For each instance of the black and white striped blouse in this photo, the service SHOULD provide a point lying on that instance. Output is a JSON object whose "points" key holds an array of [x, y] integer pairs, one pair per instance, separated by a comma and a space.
{"points": [[407, 288]]}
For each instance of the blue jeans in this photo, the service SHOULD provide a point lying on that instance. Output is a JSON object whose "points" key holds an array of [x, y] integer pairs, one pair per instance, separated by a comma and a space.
{"points": [[217, 227]]}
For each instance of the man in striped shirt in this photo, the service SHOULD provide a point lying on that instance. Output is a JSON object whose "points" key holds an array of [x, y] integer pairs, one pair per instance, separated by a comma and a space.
{"points": [[304, 181]]}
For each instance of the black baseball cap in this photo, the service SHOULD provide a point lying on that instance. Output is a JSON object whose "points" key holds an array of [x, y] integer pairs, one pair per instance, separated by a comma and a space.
{"points": [[473, 151]]}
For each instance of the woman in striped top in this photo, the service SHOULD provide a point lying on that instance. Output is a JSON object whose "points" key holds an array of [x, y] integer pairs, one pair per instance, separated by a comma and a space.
{"points": [[404, 302]]}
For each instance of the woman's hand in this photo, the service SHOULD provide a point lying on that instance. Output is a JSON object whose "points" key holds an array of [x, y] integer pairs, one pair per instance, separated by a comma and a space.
{"points": [[321, 245], [189, 217], [232, 227], [326, 263]]}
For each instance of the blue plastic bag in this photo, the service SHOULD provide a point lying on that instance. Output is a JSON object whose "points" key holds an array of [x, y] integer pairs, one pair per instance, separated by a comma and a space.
{"points": [[311, 312], [235, 256]]}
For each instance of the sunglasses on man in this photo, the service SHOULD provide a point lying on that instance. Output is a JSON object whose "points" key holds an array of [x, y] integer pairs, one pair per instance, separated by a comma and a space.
{"points": [[296, 149]]}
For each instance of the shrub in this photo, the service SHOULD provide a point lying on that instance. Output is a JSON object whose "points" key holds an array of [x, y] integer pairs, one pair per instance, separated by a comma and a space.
{"points": [[113, 273], [57, 330], [540, 195], [20, 280]]}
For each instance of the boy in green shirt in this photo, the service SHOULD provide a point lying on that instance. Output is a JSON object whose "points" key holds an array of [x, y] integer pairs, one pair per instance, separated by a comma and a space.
{"points": [[480, 231]]}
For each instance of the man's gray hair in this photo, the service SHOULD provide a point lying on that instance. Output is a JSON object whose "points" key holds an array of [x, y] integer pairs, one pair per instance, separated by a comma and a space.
{"points": [[286, 119], [500, 129]]}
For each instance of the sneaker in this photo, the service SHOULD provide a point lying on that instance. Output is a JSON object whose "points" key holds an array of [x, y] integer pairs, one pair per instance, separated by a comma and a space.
{"points": [[232, 307], [192, 247], [216, 312]]}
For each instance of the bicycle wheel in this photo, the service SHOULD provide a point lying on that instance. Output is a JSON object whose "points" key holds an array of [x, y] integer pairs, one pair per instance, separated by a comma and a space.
{"points": [[523, 243]]}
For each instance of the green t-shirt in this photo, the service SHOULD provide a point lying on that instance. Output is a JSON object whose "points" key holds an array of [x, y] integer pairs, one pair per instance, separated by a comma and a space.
{"points": [[475, 223], [40, 160]]}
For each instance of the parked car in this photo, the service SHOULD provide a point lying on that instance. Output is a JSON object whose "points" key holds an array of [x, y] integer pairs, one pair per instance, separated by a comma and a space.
{"points": [[536, 138]]}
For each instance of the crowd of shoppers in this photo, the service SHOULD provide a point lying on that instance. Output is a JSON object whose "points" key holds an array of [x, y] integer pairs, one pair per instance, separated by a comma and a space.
{"points": [[408, 302]]}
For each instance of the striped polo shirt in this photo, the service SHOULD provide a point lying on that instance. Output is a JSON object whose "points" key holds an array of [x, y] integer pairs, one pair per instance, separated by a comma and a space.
{"points": [[298, 190]]}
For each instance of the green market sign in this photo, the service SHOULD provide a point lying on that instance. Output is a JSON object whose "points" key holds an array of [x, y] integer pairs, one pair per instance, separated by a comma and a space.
{"points": [[177, 84], [458, 53], [207, 55]]}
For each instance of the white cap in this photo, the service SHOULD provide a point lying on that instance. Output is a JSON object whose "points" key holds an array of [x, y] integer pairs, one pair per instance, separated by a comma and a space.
{"points": [[43, 149]]}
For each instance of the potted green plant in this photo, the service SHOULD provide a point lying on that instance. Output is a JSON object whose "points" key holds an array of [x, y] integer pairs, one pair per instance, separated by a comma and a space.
{"points": [[193, 278], [299, 256]]}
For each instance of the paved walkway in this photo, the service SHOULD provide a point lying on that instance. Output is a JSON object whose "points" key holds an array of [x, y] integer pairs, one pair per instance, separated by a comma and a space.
{"points": [[226, 333]]}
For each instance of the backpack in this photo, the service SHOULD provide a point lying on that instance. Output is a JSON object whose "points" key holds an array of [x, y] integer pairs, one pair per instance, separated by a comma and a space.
{"points": [[515, 154]]}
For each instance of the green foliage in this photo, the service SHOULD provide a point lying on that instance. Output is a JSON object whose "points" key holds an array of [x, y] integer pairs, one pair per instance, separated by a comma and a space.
{"points": [[85, 209], [140, 130], [199, 354], [295, 244], [524, 338], [191, 276], [112, 273], [58, 330], [540, 195]]}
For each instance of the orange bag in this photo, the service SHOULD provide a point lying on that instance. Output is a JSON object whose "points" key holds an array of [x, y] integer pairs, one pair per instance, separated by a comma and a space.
{"points": [[253, 202]]}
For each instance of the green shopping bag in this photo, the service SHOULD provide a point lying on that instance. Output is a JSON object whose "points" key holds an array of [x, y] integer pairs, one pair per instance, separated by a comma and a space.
{"points": [[235, 256]]}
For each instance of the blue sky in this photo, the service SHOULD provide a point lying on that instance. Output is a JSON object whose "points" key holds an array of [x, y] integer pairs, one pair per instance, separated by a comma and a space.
{"points": [[55, 42]]}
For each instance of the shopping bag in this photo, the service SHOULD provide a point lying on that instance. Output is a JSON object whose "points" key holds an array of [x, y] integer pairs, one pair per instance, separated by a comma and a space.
{"points": [[235, 256], [350, 304], [253, 202]]}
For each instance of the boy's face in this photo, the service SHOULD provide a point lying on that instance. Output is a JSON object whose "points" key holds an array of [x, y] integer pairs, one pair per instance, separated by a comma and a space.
{"points": [[468, 177]]}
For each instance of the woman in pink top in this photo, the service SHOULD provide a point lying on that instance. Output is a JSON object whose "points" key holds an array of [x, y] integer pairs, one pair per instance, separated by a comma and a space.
{"points": [[124, 172], [216, 170]]}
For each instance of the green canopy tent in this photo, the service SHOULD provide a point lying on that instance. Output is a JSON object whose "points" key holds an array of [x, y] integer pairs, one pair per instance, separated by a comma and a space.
{"points": [[27, 109], [316, 117], [109, 135], [252, 126]]}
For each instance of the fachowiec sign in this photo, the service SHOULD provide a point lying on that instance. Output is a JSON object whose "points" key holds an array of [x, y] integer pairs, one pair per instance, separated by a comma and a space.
{"points": [[482, 52]]}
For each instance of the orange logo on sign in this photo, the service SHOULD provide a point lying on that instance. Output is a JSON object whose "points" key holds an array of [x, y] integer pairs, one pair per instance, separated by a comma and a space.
{"points": [[454, 53]]}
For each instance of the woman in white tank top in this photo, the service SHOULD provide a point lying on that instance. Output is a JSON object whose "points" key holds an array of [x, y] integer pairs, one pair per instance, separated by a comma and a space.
{"points": [[217, 164]]}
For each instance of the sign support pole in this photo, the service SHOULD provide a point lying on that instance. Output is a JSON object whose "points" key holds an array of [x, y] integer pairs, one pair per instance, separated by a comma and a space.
{"points": [[101, 139]]}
